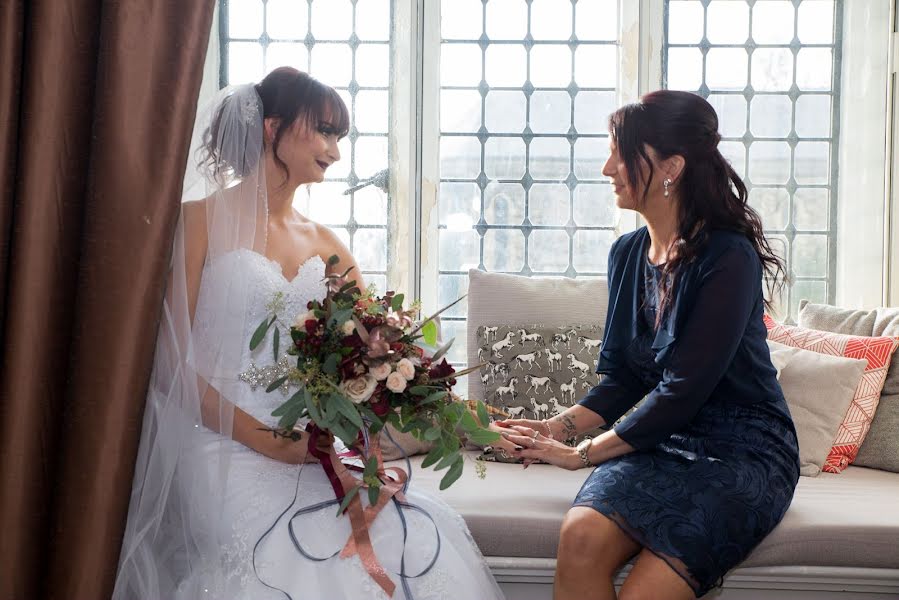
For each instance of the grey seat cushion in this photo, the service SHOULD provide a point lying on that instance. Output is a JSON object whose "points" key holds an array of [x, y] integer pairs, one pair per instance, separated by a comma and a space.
{"points": [[847, 520]]}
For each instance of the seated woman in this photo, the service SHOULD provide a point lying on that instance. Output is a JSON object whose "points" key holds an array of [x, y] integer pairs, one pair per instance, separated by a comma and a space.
{"points": [[705, 468]]}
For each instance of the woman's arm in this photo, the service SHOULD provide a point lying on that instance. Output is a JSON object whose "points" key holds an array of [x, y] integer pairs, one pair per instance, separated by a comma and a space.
{"points": [[708, 340], [244, 429]]}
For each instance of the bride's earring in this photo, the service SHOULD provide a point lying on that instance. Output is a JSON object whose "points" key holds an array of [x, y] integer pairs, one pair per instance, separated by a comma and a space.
{"points": [[666, 183]]}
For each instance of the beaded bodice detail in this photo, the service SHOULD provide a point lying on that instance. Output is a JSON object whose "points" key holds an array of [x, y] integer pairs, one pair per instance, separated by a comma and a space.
{"points": [[256, 281]]}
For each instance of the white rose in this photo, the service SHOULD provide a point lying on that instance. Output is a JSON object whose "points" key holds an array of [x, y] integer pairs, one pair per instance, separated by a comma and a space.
{"points": [[349, 327], [359, 389], [406, 369], [381, 371], [396, 383], [300, 322]]}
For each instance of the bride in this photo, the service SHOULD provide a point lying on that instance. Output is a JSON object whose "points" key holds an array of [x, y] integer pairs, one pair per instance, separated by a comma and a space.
{"points": [[220, 508]]}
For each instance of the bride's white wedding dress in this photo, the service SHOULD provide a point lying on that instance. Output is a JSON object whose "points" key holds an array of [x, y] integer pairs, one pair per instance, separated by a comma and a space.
{"points": [[261, 495]]}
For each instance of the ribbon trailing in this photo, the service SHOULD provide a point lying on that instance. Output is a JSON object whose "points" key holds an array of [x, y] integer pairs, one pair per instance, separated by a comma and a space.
{"points": [[341, 479]]}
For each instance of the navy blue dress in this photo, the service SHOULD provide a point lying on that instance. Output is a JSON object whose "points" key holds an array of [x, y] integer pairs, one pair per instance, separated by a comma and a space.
{"points": [[716, 459]]}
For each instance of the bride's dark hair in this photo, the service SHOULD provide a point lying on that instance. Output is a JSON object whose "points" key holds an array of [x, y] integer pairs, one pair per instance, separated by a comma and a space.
{"points": [[710, 193], [288, 95]]}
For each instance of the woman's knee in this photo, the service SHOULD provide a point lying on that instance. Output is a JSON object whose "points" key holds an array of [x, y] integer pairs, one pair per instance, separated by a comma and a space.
{"points": [[590, 537]]}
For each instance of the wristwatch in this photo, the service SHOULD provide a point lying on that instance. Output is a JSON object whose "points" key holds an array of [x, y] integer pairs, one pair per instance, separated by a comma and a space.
{"points": [[582, 450]]}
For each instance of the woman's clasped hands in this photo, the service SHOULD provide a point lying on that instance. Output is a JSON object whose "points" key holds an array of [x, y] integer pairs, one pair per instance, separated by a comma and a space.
{"points": [[532, 440]]}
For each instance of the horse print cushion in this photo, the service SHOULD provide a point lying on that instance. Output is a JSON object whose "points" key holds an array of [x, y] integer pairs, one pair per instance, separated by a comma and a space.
{"points": [[537, 372]]}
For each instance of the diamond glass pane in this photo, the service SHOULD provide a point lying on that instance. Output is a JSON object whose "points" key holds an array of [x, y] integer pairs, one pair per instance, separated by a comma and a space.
{"points": [[535, 131], [345, 44], [776, 116]]}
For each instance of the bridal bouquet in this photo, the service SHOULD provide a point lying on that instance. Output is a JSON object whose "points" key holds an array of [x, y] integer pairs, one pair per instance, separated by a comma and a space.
{"points": [[360, 362]]}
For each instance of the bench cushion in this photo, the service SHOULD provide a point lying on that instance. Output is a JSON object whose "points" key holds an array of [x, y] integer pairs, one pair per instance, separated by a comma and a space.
{"points": [[845, 520]]}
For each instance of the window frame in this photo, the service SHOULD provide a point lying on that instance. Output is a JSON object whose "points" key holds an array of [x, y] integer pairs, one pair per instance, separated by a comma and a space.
{"points": [[414, 136]]}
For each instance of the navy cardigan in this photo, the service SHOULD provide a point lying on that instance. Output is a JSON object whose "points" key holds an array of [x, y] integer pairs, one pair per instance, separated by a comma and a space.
{"points": [[709, 347]]}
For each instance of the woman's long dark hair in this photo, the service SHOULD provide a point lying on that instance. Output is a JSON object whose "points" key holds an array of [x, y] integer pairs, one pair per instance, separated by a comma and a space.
{"points": [[710, 193]]}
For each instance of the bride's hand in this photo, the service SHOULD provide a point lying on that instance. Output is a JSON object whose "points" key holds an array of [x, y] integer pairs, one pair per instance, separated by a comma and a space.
{"points": [[542, 426], [295, 452], [502, 445], [532, 445]]}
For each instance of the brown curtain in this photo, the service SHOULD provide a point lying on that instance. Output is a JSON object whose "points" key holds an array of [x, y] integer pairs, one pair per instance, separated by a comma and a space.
{"points": [[97, 100]]}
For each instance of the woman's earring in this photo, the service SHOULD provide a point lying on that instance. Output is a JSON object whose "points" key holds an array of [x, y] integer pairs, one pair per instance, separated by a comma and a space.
{"points": [[666, 183]]}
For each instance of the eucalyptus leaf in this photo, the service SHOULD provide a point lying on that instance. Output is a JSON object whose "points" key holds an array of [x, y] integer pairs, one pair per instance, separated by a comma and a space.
{"points": [[347, 286], [435, 397], [371, 467], [469, 423], [432, 434], [420, 390], [443, 350], [347, 498], [397, 303], [452, 475], [333, 260], [429, 333], [259, 334], [447, 460], [330, 366], [297, 398], [483, 417], [436, 453], [276, 343], [340, 317], [276, 384], [314, 413], [347, 409], [483, 437], [374, 491]]}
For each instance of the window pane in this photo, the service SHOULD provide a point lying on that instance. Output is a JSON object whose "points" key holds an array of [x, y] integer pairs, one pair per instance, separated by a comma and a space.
{"points": [[546, 104], [779, 129], [772, 22]]}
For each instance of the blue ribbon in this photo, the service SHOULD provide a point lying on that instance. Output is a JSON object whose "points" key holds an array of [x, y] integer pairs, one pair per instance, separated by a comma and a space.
{"points": [[404, 577]]}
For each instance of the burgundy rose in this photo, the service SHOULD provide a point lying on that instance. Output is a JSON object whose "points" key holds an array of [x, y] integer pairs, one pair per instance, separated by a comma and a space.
{"points": [[441, 370], [311, 325]]}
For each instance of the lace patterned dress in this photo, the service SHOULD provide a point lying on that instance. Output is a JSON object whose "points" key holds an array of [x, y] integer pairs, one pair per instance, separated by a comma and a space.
{"points": [[260, 489], [716, 459]]}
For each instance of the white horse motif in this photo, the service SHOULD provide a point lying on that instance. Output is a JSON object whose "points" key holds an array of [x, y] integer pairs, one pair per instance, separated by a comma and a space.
{"points": [[508, 389], [589, 343], [488, 331], [531, 359], [515, 412], [558, 409], [503, 344], [567, 389], [530, 337], [536, 383], [586, 385], [540, 410], [552, 358], [576, 365], [559, 338]]}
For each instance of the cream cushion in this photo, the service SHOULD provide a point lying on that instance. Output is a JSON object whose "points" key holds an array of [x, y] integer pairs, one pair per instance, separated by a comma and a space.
{"points": [[498, 299], [818, 389]]}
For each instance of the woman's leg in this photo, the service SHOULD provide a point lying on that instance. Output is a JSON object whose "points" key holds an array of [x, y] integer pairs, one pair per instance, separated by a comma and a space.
{"points": [[654, 579], [591, 550]]}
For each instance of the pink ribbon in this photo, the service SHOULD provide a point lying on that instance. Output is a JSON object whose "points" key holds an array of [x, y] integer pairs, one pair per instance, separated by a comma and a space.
{"points": [[341, 479]]}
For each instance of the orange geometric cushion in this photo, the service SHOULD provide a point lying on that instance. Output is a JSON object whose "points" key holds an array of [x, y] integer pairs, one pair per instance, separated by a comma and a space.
{"points": [[876, 350]]}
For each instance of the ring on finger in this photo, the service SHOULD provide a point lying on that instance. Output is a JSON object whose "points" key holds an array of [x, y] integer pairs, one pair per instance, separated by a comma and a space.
{"points": [[536, 433]]}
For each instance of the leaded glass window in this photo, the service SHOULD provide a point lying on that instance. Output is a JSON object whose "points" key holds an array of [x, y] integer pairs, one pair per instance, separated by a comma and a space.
{"points": [[771, 69], [345, 44], [526, 87]]}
